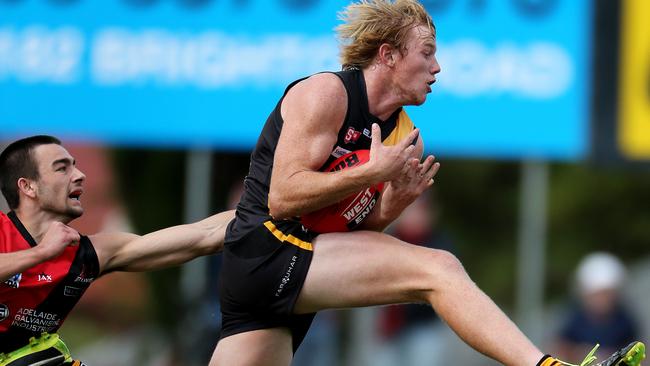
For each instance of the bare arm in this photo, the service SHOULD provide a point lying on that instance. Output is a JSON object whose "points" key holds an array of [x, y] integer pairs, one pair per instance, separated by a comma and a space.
{"points": [[55, 240], [17, 262], [162, 248], [313, 112]]}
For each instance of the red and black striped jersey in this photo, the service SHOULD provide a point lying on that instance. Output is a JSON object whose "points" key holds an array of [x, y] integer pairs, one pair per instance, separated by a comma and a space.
{"points": [[39, 299]]}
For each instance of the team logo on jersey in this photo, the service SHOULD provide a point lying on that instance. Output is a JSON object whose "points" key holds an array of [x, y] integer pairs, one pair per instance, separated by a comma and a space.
{"points": [[4, 312], [351, 136], [339, 151], [44, 277], [14, 281]]}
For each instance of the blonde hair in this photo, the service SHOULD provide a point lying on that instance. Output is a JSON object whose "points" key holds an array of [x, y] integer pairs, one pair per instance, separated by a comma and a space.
{"points": [[370, 23]]}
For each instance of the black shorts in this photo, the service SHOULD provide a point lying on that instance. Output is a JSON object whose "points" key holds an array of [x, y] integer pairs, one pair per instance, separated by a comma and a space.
{"points": [[261, 277]]}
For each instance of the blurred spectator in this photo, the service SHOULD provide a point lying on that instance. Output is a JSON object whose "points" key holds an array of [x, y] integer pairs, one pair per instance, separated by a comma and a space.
{"points": [[412, 334], [599, 315]]}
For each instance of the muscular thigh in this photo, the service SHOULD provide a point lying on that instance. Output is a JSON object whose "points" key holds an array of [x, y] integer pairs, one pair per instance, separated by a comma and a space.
{"points": [[366, 268], [263, 347]]}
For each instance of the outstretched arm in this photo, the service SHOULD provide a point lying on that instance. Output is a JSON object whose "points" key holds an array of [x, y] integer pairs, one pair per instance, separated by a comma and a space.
{"points": [[163, 248], [56, 239]]}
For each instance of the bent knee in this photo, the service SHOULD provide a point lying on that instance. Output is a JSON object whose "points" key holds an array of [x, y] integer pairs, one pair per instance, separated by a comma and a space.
{"points": [[441, 269], [447, 263]]}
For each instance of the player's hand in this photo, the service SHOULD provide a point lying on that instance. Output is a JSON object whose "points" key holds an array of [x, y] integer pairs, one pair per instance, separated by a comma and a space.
{"points": [[415, 178], [388, 162], [56, 239]]}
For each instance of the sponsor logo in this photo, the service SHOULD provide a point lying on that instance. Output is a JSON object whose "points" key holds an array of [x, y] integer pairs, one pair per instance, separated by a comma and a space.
{"points": [[351, 160], [287, 276], [339, 151], [366, 132], [44, 277], [4, 312], [360, 208], [83, 276], [35, 320], [351, 136], [72, 291], [14, 281]]}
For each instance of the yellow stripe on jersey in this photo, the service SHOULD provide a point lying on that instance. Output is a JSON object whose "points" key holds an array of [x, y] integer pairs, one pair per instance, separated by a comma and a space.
{"points": [[550, 361], [402, 128], [288, 238]]}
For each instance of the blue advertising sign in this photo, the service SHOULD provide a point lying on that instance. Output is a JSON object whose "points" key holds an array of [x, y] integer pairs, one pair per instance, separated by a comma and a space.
{"points": [[192, 73]]}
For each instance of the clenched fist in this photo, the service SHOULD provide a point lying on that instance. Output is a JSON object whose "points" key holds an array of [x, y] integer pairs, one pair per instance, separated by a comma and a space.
{"points": [[57, 238]]}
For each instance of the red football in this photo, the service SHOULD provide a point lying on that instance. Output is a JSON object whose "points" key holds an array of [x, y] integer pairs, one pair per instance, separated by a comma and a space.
{"points": [[347, 214]]}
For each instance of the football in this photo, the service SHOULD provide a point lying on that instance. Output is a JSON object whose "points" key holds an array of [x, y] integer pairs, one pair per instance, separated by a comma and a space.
{"points": [[347, 214]]}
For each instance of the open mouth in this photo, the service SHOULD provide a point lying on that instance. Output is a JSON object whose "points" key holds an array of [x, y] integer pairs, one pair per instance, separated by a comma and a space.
{"points": [[75, 195], [429, 83]]}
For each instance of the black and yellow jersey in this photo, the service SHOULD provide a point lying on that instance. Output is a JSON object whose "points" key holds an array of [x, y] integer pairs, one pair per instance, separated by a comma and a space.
{"points": [[355, 134]]}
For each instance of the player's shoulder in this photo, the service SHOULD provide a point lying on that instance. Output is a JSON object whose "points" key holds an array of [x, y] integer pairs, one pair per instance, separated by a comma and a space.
{"points": [[6, 226], [319, 99], [322, 86], [108, 244], [325, 79], [4, 219], [111, 240]]}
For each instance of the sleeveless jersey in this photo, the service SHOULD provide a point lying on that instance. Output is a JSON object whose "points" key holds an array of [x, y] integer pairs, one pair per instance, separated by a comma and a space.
{"points": [[39, 298], [355, 134]]}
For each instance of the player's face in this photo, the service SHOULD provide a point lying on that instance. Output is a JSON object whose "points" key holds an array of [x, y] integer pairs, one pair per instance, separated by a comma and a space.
{"points": [[416, 68], [59, 186]]}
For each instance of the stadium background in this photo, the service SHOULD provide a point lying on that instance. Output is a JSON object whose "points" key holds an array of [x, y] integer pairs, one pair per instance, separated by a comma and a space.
{"points": [[541, 119]]}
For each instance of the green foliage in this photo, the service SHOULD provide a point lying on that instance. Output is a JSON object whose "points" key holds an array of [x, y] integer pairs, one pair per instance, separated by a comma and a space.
{"points": [[596, 208], [589, 208], [479, 209]]}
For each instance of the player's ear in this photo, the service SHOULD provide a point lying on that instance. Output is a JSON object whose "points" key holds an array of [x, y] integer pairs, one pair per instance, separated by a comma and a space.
{"points": [[386, 54], [27, 187]]}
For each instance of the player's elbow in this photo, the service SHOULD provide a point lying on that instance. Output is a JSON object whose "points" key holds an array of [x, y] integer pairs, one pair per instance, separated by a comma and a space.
{"points": [[217, 239], [278, 207], [209, 238]]}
